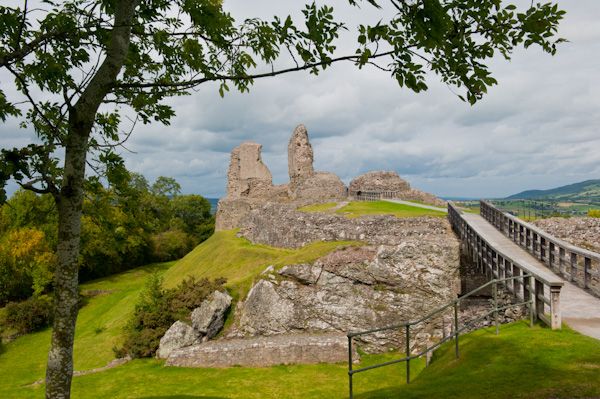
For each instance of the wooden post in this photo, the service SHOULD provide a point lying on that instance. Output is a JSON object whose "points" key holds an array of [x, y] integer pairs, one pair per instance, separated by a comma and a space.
{"points": [[516, 283], [587, 265], [555, 313], [538, 295], [573, 267], [521, 235], [542, 249]]}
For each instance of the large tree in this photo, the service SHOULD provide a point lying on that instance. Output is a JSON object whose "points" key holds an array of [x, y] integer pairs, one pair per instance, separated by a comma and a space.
{"points": [[75, 71]]}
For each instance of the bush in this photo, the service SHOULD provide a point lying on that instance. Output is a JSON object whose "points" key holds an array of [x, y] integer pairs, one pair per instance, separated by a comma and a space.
{"points": [[594, 213], [158, 308], [169, 245], [30, 315]]}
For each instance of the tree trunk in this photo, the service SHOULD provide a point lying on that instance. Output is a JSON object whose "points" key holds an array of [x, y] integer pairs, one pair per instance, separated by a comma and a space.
{"points": [[60, 358], [82, 116]]}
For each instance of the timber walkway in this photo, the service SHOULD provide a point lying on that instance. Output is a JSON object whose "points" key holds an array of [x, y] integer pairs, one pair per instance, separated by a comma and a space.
{"points": [[564, 277]]}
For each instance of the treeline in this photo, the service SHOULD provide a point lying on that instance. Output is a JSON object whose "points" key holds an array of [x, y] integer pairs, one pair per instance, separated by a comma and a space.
{"points": [[124, 226]]}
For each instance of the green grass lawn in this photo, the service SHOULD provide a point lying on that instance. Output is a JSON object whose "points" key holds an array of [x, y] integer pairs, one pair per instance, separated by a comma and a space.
{"points": [[361, 208], [519, 363], [99, 328]]}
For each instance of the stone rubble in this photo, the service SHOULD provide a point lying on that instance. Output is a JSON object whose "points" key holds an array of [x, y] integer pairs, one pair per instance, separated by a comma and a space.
{"points": [[583, 232]]}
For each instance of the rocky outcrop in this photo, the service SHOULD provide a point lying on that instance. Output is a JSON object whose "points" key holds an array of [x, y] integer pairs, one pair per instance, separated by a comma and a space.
{"points": [[209, 317], [179, 335], [583, 232], [264, 351], [283, 226], [207, 321], [355, 288], [390, 185]]}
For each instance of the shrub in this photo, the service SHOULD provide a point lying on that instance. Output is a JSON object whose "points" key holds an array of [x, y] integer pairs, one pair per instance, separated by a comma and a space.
{"points": [[594, 213], [30, 315], [169, 245], [158, 308]]}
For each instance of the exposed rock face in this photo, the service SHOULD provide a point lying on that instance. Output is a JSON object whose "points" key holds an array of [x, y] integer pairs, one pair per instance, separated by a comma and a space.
{"points": [[208, 319], [391, 186], [580, 231], [300, 155], [264, 351], [282, 226], [378, 181], [179, 335], [355, 289]]}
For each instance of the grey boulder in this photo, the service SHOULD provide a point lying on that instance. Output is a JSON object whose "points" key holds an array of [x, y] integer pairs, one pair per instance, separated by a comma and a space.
{"points": [[179, 335], [208, 319]]}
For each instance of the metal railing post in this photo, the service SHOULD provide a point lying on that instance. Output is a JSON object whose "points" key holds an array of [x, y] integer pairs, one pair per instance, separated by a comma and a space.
{"points": [[456, 328], [351, 396], [408, 354], [495, 294]]}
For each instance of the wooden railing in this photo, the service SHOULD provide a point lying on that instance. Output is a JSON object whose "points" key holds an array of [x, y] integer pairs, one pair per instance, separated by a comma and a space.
{"points": [[578, 265], [373, 195], [544, 287]]}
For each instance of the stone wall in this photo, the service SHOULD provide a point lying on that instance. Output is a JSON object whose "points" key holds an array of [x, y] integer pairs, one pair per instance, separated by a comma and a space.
{"points": [[283, 226], [264, 351], [249, 181]]}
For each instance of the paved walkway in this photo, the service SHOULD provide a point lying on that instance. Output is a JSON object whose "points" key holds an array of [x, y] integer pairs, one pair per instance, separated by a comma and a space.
{"points": [[416, 204], [580, 310]]}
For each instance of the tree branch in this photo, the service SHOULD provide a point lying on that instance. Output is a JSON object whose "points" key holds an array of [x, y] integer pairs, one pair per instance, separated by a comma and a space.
{"points": [[196, 82]]}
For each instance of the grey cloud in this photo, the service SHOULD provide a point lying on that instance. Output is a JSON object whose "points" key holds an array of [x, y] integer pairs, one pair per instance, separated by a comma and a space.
{"points": [[537, 129]]}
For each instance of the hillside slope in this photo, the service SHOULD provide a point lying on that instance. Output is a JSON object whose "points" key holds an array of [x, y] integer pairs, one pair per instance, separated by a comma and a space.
{"points": [[588, 191]]}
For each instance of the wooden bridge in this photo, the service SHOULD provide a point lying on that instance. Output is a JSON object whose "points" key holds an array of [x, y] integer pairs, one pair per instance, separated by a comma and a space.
{"points": [[564, 280]]}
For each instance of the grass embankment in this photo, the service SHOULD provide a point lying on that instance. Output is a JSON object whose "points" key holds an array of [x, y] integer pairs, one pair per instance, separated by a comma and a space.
{"points": [[240, 261], [361, 208], [101, 321], [99, 327]]}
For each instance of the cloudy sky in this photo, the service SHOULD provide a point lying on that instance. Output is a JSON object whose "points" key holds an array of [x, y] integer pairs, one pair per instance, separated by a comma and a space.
{"points": [[539, 128]]}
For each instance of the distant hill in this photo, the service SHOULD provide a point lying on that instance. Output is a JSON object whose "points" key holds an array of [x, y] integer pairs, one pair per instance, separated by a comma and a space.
{"points": [[585, 191]]}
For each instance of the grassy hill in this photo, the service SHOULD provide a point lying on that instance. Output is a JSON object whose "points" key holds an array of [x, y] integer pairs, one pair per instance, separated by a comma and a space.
{"points": [[586, 191]]}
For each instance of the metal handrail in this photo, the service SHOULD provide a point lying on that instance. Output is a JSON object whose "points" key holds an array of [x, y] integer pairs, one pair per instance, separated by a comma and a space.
{"points": [[454, 335]]}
